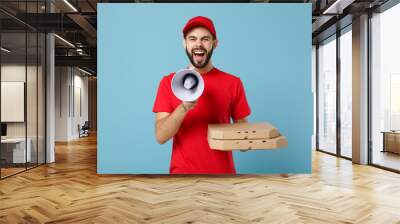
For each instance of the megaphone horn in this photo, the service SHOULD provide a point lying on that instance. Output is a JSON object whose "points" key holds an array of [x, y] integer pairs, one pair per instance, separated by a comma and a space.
{"points": [[187, 85], [190, 81]]}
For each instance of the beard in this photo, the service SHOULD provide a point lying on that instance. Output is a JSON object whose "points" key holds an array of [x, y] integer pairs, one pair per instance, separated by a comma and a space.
{"points": [[206, 54]]}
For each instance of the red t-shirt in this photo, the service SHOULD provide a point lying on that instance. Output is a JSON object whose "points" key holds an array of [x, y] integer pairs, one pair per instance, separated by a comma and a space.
{"points": [[223, 98]]}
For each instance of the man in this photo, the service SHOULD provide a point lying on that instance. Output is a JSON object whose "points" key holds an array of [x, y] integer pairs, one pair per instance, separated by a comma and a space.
{"points": [[223, 98]]}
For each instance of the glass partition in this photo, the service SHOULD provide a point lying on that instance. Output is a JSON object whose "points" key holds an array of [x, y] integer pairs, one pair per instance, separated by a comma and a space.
{"points": [[22, 78], [14, 153], [327, 95], [385, 89]]}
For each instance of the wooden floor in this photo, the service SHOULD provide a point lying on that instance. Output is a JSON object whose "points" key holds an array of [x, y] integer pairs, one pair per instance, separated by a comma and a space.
{"points": [[5, 172], [70, 191]]}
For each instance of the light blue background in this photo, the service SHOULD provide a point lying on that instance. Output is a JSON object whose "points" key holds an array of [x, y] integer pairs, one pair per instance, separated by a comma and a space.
{"points": [[267, 45]]}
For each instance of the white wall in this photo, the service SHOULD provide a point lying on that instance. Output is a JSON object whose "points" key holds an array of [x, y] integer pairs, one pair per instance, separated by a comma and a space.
{"points": [[62, 81], [81, 103], [9, 73], [71, 94]]}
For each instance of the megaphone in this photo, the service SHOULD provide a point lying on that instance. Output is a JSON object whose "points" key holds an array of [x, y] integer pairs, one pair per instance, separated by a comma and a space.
{"points": [[187, 85]]}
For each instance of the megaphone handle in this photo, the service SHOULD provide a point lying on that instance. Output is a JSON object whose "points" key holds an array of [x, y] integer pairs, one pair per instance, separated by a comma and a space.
{"points": [[189, 105]]}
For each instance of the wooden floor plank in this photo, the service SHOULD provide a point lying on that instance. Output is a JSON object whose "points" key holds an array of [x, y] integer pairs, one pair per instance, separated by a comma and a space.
{"points": [[70, 191]]}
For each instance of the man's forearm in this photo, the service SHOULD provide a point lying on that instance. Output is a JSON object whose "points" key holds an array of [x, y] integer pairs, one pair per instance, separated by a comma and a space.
{"points": [[169, 126]]}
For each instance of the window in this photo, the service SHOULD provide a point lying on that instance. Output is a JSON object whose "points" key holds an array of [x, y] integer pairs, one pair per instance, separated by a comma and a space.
{"points": [[385, 88], [327, 95], [346, 92]]}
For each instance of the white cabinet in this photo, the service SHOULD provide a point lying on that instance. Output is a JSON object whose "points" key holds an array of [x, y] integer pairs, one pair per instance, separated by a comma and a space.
{"points": [[18, 149]]}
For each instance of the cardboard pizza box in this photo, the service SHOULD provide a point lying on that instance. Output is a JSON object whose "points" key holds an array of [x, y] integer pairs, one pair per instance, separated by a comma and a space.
{"points": [[248, 144], [242, 131]]}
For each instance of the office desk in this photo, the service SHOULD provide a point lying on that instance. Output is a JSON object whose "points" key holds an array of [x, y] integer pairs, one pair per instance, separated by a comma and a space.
{"points": [[13, 150], [391, 141]]}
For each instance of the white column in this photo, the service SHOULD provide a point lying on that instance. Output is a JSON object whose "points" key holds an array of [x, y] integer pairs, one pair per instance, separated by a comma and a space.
{"points": [[50, 110], [50, 91], [360, 90]]}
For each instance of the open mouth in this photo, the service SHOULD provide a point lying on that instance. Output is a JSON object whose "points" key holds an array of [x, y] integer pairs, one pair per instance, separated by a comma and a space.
{"points": [[199, 55]]}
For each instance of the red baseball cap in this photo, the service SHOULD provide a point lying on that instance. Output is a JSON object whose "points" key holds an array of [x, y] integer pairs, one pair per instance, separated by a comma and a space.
{"points": [[200, 21]]}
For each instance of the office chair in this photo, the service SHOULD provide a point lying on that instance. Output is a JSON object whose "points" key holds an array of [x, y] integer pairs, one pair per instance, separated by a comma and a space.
{"points": [[84, 130]]}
